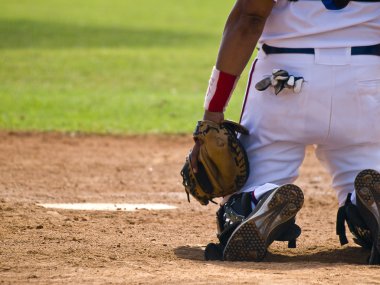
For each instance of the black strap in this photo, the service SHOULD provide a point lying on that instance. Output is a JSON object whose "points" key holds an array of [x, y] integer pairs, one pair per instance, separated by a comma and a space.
{"points": [[340, 227], [360, 50], [366, 50], [292, 243], [279, 50], [340, 220]]}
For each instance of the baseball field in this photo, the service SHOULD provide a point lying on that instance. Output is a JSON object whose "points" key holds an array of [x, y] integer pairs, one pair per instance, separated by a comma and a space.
{"points": [[98, 100]]}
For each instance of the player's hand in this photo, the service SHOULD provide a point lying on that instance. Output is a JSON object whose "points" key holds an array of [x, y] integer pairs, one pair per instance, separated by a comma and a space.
{"points": [[216, 117]]}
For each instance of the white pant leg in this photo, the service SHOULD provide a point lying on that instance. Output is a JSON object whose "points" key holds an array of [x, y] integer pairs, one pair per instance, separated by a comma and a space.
{"points": [[277, 124], [344, 163], [337, 109], [276, 163], [353, 142]]}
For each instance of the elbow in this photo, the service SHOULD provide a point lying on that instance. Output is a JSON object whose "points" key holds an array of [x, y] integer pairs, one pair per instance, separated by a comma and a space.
{"points": [[251, 25], [248, 17]]}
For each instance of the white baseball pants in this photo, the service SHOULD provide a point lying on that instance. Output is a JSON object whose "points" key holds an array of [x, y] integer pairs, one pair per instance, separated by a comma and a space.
{"points": [[337, 111]]}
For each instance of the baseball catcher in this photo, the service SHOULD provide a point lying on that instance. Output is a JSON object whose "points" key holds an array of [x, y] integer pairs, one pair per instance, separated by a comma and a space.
{"points": [[314, 81]]}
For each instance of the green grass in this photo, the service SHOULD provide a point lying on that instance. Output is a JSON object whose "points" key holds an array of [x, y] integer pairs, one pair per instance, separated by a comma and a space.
{"points": [[113, 66]]}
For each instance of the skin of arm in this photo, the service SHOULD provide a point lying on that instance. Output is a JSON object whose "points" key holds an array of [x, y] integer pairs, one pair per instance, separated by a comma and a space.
{"points": [[242, 31], [241, 34]]}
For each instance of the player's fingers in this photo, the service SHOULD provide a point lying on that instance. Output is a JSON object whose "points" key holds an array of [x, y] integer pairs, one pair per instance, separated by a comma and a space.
{"points": [[194, 157]]}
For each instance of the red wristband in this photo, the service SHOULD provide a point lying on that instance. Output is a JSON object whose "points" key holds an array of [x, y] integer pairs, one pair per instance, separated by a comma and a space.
{"points": [[220, 89]]}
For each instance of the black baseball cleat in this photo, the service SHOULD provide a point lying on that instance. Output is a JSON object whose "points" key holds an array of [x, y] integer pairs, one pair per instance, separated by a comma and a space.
{"points": [[268, 221], [367, 187]]}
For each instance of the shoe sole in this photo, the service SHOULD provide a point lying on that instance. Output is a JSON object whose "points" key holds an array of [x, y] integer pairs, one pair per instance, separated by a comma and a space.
{"points": [[250, 240], [367, 187]]}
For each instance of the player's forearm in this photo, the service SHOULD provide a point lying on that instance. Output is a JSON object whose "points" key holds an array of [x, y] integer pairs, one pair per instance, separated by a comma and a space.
{"points": [[242, 31], [238, 43], [241, 34]]}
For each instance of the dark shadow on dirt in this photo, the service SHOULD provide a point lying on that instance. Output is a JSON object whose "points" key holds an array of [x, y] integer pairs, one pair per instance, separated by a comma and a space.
{"points": [[347, 255], [190, 252]]}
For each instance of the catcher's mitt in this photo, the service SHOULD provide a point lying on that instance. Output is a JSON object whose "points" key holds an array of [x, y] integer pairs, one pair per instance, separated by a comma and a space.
{"points": [[223, 166]]}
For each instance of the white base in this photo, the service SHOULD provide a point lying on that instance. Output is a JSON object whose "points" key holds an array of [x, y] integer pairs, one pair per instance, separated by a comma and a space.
{"points": [[108, 206]]}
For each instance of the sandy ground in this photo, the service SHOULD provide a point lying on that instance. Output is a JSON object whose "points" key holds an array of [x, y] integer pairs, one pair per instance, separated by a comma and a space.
{"points": [[49, 246]]}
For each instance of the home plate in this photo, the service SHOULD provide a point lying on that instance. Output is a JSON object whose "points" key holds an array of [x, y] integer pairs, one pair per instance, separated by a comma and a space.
{"points": [[108, 206]]}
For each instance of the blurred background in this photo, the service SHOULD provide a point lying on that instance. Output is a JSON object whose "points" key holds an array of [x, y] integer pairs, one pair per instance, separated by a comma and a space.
{"points": [[109, 66]]}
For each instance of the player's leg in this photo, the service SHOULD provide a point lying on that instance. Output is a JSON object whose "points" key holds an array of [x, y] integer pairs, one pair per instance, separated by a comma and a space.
{"points": [[357, 191], [353, 144], [281, 125], [277, 123], [345, 162], [367, 189], [275, 154]]}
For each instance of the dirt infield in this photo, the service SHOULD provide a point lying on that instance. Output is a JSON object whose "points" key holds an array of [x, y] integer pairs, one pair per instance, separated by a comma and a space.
{"points": [[45, 246]]}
